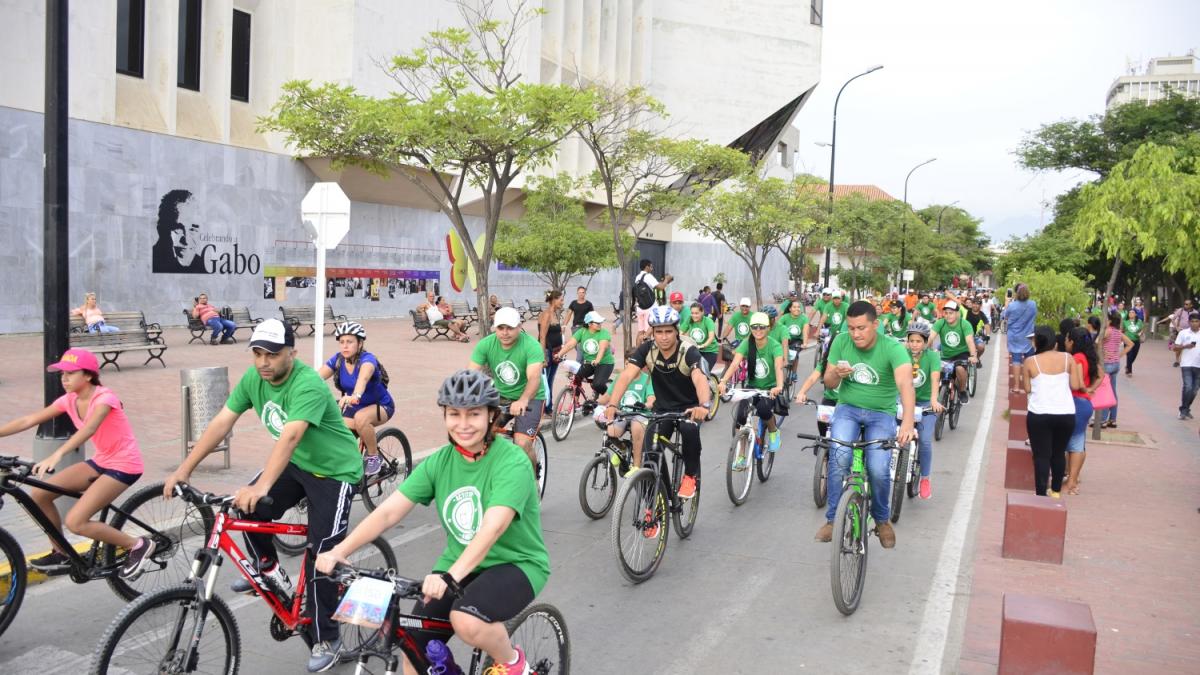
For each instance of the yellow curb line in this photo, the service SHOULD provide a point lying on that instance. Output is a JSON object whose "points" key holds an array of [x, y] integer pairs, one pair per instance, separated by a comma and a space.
{"points": [[33, 576]]}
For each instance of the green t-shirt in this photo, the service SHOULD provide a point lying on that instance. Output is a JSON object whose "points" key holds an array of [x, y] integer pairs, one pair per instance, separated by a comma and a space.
{"points": [[464, 490], [872, 385], [931, 362], [741, 324], [954, 338], [891, 326], [327, 448], [794, 327], [762, 371], [927, 310], [639, 392], [835, 317], [821, 305], [589, 342], [1133, 329], [699, 332], [831, 394], [508, 365], [780, 334]]}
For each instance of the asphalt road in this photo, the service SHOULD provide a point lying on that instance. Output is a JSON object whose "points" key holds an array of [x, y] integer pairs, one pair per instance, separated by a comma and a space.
{"points": [[748, 592]]}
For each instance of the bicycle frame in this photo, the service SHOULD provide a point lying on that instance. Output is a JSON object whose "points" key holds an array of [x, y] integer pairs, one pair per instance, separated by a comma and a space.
{"points": [[654, 458], [395, 631]]}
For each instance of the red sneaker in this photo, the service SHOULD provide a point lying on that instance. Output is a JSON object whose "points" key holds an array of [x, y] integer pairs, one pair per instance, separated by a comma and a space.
{"points": [[926, 488], [687, 487], [649, 525], [518, 668]]}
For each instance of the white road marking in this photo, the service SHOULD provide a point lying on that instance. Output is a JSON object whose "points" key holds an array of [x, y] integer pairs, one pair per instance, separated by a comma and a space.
{"points": [[939, 606], [697, 653]]}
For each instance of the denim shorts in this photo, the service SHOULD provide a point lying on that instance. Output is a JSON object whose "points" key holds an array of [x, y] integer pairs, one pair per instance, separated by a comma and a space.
{"points": [[1018, 359], [126, 478], [352, 410]]}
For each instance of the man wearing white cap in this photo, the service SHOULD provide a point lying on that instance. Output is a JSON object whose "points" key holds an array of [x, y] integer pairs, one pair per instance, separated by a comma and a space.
{"points": [[819, 309], [515, 360], [739, 323], [315, 457], [595, 342]]}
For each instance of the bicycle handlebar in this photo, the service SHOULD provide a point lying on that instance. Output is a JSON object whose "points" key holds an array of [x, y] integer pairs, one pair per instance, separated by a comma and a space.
{"points": [[402, 587], [191, 495], [20, 466]]}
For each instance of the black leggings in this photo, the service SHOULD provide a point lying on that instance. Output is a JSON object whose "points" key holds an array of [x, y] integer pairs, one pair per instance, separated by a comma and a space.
{"points": [[764, 406], [1129, 358], [496, 594], [1048, 438], [689, 433], [599, 374]]}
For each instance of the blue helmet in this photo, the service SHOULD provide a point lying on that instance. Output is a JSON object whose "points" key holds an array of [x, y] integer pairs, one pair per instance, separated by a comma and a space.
{"points": [[771, 312], [661, 315]]}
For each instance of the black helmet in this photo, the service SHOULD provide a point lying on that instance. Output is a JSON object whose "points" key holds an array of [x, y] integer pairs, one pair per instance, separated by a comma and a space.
{"points": [[468, 389]]}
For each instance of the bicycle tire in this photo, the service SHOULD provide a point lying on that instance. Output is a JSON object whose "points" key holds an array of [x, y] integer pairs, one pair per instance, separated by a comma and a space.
{"points": [[821, 477], [940, 425], [972, 379], [543, 463], [147, 505], [599, 479], [13, 582], [899, 479], [640, 493], [713, 383], [738, 483], [546, 655], [685, 524], [955, 410], [289, 544], [564, 414], [181, 603], [396, 466], [850, 547], [914, 463], [764, 464]]}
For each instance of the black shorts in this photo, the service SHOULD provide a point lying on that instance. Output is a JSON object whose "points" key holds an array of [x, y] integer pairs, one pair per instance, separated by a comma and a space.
{"points": [[496, 594], [126, 478]]}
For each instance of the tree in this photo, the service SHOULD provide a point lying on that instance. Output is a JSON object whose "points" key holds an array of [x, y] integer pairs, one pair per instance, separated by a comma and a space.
{"points": [[1044, 250], [552, 239], [867, 233], [1059, 295], [956, 245], [807, 214], [462, 114]]}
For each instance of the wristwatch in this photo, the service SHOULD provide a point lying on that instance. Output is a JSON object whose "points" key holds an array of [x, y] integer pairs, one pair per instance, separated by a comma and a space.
{"points": [[707, 405]]}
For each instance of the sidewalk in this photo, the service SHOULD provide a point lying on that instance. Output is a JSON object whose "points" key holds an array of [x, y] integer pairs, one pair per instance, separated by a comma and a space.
{"points": [[1133, 537]]}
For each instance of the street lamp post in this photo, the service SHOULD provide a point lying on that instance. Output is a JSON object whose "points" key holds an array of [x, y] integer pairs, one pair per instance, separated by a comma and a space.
{"points": [[832, 156], [943, 211], [904, 223]]}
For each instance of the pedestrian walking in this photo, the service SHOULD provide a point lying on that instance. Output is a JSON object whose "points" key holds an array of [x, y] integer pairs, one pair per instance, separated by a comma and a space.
{"points": [[1019, 315], [1114, 345], [1134, 328], [1051, 416], [1178, 322], [1189, 363]]}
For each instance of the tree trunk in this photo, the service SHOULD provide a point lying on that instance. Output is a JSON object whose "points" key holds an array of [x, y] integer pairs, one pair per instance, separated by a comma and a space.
{"points": [[1112, 279], [485, 309]]}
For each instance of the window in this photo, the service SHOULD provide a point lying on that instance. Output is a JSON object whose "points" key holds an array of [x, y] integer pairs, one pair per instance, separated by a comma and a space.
{"points": [[131, 24], [818, 8], [189, 44], [239, 81], [782, 150]]}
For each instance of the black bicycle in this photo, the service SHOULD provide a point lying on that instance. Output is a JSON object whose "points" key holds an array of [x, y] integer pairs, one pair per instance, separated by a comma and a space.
{"points": [[948, 397], [820, 448], [174, 528], [649, 499], [598, 483]]}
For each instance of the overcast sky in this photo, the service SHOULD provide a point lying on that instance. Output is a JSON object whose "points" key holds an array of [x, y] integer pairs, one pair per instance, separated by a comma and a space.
{"points": [[963, 81]]}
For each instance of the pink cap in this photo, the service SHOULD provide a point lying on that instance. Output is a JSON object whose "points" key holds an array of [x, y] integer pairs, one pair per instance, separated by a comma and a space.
{"points": [[73, 360], [676, 297]]}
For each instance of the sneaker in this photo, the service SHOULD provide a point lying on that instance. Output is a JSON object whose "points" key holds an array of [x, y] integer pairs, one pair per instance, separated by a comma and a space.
{"points": [[135, 561], [227, 340], [631, 471], [886, 534], [687, 487], [52, 563], [520, 667], [773, 441], [275, 576], [962, 398], [372, 464], [926, 488], [649, 525], [324, 656], [1182, 415], [825, 534], [1053, 495], [739, 464], [213, 341], [1189, 414]]}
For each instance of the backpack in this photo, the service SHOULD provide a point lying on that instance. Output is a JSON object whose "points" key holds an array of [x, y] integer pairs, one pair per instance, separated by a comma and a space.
{"points": [[341, 362], [685, 343], [642, 293]]}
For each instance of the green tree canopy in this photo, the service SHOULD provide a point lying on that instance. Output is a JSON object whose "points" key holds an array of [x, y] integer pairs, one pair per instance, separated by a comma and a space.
{"points": [[1059, 295]]}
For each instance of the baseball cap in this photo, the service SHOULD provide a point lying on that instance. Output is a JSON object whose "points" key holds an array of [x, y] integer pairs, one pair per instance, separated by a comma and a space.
{"points": [[1191, 317], [839, 293], [75, 359], [676, 297], [951, 305], [745, 302], [272, 335], [759, 319], [593, 317], [825, 291], [506, 316]]}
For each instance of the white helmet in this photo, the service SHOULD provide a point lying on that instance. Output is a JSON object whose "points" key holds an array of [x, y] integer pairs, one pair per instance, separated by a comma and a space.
{"points": [[350, 328]]}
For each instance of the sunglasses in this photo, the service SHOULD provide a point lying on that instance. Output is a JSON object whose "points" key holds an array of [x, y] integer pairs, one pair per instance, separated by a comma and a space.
{"points": [[759, 327]]}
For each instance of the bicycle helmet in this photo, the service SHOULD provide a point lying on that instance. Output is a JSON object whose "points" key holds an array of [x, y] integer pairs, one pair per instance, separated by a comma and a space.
{"points": [[468, 389], [920, 328], [349, 328], [662, 316], [771, 312]]}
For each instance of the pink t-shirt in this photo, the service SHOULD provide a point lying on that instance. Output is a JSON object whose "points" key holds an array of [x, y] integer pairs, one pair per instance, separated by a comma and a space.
{"points": [[205, 312], [116, 447]]}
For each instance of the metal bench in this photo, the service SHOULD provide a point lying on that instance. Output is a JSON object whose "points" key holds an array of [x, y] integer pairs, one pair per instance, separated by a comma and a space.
{"points": [[304, 316], [534, 309], [126, 321], [462, 310], [422, 327], [242, 319], [110, 346], [194, 327]]}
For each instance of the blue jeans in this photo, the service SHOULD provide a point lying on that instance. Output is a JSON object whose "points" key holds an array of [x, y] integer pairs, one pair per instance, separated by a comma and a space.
{"points": [[852, 424], [1191, 382], [925, 439], [217, 324], [1113, 369], [1083, 413], [101, 327]]}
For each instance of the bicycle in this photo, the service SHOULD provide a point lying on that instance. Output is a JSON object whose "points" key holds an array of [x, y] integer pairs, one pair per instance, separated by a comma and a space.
{"points": [[820, 447], [822, 350], [948, 397], [542, 468], [647, 497], [571, 400], [737, 381], [747, 445], [599, 478], [848, 561], [172, 629], [540, 630], [906, 464], [167, 565]]}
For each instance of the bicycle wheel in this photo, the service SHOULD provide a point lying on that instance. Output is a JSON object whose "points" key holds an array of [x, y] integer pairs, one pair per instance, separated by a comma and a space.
{"points": [[954, 409], [848, 564], [541, 632], [640, 525], [763, 463], [543, 463], [396, 464], [738, 480], [156, 633], [820, 483], [899, 478], [972, 378], [914, 471], [713, 382], [598, 486], [940, 424], [685, 515], [181, 530], [293, 544], [12, 578], [564, 414], [375, 555]]}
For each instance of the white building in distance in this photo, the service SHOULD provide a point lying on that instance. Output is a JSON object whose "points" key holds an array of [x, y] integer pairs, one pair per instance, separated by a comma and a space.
{"points": [[1165, 73]]}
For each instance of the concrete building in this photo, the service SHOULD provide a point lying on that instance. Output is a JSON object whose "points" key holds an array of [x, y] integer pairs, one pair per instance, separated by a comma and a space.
{"points": [[165, 95], [1165, 73]]}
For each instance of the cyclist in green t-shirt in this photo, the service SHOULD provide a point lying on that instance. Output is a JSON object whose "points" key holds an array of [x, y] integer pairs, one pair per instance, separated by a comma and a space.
{"points": [[957, 343], [495, 560], [794, 323], [834, 315], [893, 323], [596, 343], [817, 320], [926, 308], [927, 375], [739, 323], [764, 356], [640, 391], [515, 359], [701, 330], [315, 457]]}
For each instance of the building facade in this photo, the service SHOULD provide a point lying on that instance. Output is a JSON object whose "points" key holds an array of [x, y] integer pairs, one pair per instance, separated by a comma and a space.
{"points": [[174, 192], [1161, 75]]}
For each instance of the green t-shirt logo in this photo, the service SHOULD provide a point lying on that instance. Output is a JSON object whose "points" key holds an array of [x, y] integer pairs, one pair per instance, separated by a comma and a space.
{"points": [[273, 418], [590, 346], [507, 373], [918, 378], [760, 369], [865, 374], [835, 318], [743, 329], [953, 339], [793, 330], [697, 335], [462, 512]]}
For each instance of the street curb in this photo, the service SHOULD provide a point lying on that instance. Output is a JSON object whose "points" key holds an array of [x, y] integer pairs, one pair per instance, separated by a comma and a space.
{"points": [[34, 577]]}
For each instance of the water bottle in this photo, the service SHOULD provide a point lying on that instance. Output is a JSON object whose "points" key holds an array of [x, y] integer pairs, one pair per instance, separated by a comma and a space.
{"points": [[441, 661]]}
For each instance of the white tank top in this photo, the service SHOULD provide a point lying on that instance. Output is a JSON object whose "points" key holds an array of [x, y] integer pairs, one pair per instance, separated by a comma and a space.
{"points": [[1051, 394]]}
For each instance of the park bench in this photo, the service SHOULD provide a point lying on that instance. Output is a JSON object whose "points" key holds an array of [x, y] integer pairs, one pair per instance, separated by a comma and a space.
{"points": [[240, 317], [298, 316], [422, 327], [462, 310], [110, 346], [534, 309], [132, 321]]}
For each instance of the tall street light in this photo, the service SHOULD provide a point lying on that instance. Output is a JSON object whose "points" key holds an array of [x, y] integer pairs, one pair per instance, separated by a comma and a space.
{"points": [[904, 223], [943, 211], [832, 156]]}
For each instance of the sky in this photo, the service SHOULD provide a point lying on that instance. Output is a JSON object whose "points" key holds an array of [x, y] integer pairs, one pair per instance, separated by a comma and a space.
{"points": [[964, 81]]}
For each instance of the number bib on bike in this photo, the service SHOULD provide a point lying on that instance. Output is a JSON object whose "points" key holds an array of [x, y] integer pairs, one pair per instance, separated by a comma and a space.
{"points": [[954, 338], [872, 385]]}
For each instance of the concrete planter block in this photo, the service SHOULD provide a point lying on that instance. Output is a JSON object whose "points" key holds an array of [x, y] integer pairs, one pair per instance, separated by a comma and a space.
{"points": [[1046, 635], [1035, 528], [1018, 467]]}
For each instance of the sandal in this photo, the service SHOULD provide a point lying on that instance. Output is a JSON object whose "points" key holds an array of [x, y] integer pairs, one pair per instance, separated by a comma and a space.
{"points": [[1111, 425], [1073, 491]]}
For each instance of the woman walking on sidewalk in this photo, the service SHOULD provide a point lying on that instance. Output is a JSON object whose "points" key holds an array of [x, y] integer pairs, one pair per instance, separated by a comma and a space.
{"points": [[1133, 326], [1114, 345], [1051, 418], [1019, 315], [1082, 349]]}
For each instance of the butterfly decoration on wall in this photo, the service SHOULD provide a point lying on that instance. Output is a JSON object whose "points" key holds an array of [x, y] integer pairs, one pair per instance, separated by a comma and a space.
{"points": [[461, 272]]}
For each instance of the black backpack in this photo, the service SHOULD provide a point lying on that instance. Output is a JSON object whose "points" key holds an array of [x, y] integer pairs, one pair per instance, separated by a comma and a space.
{"points": [[381, 372], [642, 293]]}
